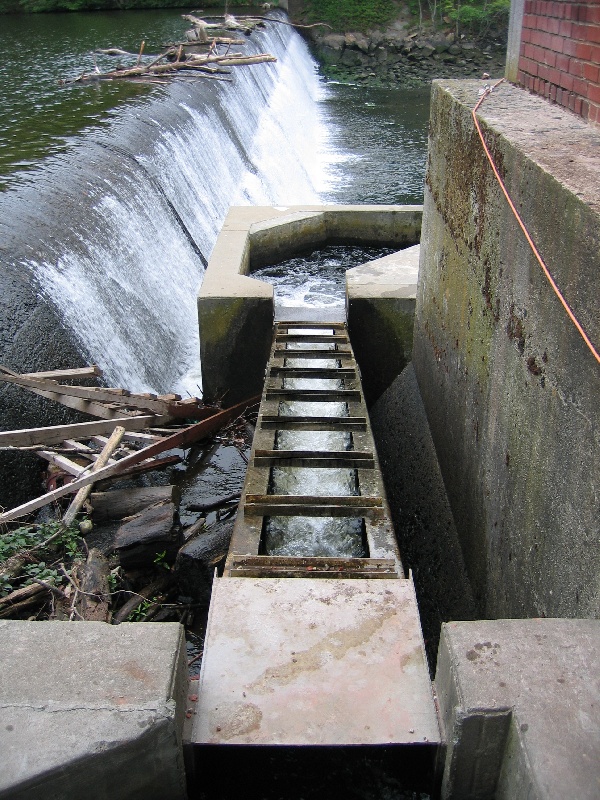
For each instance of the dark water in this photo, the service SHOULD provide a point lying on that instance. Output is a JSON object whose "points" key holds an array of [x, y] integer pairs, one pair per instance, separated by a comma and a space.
{"points": [[378, 135]]}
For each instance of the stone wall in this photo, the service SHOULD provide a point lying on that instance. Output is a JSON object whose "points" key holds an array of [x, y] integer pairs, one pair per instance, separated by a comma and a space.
{"points": [[399, 57], [510, 389]]}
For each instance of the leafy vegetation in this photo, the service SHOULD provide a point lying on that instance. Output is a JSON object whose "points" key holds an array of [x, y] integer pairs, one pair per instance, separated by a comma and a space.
{"points": [[475, 17], [351, 14], [12, 6]]}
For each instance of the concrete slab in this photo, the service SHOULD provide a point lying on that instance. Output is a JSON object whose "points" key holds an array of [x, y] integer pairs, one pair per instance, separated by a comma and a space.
{"points": [[520, 703], [395, 275], [91, 710], [314, 662]]}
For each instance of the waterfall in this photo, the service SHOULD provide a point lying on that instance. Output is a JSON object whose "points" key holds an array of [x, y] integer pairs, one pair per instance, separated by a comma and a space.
{"points": [[114, 234]]}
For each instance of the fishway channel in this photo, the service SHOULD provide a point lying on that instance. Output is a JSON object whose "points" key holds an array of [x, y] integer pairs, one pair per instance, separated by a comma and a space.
{"points": [[309, 649]]}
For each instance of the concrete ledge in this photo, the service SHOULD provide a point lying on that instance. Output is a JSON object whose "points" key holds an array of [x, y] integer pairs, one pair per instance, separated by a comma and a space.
{"points": [[235, 311], [380, 304], [520, 704], [92, 710]]}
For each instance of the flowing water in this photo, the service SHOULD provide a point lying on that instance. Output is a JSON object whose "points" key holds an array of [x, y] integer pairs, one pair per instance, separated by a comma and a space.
{"points": [[114, 194]]}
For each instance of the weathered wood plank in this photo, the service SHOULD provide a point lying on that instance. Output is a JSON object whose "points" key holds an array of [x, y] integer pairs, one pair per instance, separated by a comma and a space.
{"points": [[282, 422], [311, 567], [308, 458], [56, 434], [320, 395], [66, 374], [182, 438], [312, 506]]}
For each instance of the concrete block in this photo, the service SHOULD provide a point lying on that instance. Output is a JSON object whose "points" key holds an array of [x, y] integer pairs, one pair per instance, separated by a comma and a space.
{"points": [[92, 710], [380, 304], [520, 704]]}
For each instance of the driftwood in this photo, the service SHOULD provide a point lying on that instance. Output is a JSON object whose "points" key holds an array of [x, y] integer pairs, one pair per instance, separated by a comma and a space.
{"points": [[122, 503], [22, 599], [83, 493], [223, 501], [149, 591], [95, 595], [197, 559]]}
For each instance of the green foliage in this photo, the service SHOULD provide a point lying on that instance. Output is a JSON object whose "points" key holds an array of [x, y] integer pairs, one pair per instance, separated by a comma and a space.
{"points": [[351, 14], [139, 612], [161, 560], [474, 17], [65, 544]]}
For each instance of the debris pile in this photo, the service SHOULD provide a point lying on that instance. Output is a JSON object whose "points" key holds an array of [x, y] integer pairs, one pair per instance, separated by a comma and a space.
{"points": [[116, 549]]}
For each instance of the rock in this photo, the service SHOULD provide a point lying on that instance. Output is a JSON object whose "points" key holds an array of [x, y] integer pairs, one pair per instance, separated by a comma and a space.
{"points": [[353, 58], [357, 41], [197, 559], [455, 49], [143, 539], [334, 41]]}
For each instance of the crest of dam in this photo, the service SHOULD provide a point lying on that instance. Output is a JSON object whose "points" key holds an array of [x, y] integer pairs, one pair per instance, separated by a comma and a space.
{"points": [[103, 247]]}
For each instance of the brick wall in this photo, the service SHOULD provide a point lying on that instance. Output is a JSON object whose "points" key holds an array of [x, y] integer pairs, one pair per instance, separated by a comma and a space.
{"points": [[560, 54]]}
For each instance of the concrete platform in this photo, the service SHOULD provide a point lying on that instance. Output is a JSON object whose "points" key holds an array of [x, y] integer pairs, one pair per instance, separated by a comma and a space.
{"points": [[380, 303], [520, 703], [90, 710], [314, 662]]}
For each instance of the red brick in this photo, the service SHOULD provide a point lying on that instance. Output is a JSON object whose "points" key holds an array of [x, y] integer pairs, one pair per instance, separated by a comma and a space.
{"points": [[593, 93], [592, 14], [572, 98], [567, 10], [585, 107], [565, 27], [576, 67], [550, 58], [527, 7], [553, 92], [552, 25], [562, 63], [536, 37], [592, 33], [557, 43], [554, 75], [580, 87], [594, 56], [565, 100], [544, 71], [583, 50], [566, 81], [578, 105], [591, 72], [559, 93]]}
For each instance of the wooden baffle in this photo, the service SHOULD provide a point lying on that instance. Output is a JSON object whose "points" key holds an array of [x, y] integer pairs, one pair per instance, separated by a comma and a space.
{"points": [[314, 650]]}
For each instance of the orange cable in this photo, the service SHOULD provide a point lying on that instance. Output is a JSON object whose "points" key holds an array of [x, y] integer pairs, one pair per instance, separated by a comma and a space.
{"points": [[536, 253]]}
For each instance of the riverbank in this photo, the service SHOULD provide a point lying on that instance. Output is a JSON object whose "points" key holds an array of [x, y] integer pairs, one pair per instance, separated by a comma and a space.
{"points": [[398, 57]]}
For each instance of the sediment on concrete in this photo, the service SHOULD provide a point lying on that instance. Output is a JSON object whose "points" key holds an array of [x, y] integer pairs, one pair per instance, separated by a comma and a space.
{"points": [[519, 701], [380, 307], [92, 710], [510, 389], [421, 514], [236, 311]]}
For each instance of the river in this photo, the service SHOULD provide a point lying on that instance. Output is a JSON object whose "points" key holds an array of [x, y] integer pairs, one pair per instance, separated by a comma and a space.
{"points": [[114, 193]]}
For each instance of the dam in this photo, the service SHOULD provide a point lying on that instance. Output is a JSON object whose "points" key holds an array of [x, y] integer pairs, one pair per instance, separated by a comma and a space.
{"points": [[495, 392]]}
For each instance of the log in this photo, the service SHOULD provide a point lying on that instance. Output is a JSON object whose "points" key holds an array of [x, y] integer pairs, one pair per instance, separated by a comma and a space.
{"points": [[149, 591], [24, 593], [182, 438], [154, 531], [95, 602], [223, 501], [83, 493], [197, 559], [127, 502]]}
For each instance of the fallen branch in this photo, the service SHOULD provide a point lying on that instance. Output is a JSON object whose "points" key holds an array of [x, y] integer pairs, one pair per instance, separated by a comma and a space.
{"points": [[133, 602]]}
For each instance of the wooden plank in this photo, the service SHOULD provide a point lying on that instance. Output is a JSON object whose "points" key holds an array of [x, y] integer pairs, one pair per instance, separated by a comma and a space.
{"points": [[283, 422], [315, 567], [66, 464], [323, 338], [181, 439], [313, 458], [313, 372], [311, 325], [66, 374], [87, 393], [312, 506], [320, 395], [55, 434], [338, 355]]}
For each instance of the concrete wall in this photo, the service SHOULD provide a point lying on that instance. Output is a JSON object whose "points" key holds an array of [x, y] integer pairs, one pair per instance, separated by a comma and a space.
{"points": [[510, 389], [559, 53], [235, 311]]}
